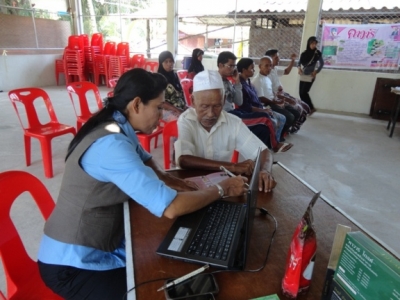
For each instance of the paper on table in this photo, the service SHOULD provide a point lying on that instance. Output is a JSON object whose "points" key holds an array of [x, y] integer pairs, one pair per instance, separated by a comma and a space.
{"points": [[204, 182]]}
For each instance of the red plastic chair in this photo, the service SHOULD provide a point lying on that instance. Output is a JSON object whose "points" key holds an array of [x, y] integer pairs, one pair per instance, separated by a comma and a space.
{"points": [[81, 89], [123, 50], [170, 130], [100, 65], [187, 86], [97, 41], [76, 42], [235, 157], [151, 66], [74, 65], [182, 74], [113, 82], [44, 132], [59, 68], [137, 61], [116, 66], [21, 272], [145, 139], [109, 48]]}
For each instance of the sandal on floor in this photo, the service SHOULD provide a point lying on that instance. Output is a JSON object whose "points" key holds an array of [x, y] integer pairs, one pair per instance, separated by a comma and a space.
{"points": [[284, 147]]}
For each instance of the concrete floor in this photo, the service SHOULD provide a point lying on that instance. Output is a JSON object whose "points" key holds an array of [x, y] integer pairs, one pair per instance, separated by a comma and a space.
{"points": [[350, 159]]}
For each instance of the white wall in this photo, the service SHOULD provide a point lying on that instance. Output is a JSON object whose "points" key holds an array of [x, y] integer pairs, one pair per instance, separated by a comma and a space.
{"points": [[17, 71]]}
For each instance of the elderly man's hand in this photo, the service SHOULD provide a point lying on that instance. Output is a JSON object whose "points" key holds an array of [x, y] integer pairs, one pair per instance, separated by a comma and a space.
{"points": [[245, 167], [266, 182], [178, 184], [234, 186]]}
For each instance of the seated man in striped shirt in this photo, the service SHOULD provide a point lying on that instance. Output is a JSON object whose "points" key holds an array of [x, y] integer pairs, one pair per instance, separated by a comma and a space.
{"points": [[208, 135]]}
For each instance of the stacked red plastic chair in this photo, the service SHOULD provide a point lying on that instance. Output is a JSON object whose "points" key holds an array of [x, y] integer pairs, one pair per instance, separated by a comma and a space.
{"points": [[101, 64], [151, 66]]}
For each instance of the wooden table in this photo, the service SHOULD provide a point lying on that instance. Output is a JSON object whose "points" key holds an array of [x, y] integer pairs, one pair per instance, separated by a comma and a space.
{"points": [[394, 113], [287, 203]]}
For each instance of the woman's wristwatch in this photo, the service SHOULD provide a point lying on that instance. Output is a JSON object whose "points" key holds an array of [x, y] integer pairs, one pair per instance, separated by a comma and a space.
{"points": [[221, 191]]}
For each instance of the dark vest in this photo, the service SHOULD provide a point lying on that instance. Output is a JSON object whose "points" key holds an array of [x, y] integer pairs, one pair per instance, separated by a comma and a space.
{"points": [[88, 212]]}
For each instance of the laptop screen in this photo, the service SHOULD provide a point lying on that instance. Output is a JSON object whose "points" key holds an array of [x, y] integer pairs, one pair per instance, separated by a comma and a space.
{"points": [[252, 195]]}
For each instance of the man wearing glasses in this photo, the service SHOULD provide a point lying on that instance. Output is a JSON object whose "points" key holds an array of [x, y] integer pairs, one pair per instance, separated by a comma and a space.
{"points": [[255, 121]]}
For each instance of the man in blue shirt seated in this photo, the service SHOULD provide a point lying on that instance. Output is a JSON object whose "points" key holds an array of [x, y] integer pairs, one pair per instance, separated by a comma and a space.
{"points": [[208, 135]]}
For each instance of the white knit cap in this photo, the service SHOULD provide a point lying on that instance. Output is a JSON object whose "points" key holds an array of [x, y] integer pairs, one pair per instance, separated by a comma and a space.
{"points": [[207, 80]]}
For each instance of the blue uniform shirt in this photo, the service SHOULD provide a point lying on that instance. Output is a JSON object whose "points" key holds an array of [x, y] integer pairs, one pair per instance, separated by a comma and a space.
{"points": [[116, 158]]}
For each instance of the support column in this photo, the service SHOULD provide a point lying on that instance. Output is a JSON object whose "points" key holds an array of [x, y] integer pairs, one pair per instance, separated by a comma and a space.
{"points": [[311, 21], [172, 26]]}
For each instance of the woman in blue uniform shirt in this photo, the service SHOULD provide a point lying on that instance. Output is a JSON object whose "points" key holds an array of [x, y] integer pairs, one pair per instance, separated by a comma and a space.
{"points": [[82, 252]]}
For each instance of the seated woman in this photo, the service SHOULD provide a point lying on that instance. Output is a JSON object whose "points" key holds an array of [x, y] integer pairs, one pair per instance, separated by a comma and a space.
{"points": [[82, 253], [195, 65], [251, 104], [175, 102]]}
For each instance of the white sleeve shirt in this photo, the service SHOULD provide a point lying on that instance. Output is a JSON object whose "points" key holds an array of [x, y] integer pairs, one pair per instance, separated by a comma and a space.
{"points": [[263, 86], [228, 134], [274, 77]]}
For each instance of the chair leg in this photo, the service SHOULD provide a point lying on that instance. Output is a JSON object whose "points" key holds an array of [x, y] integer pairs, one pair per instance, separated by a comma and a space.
{"points": [[78, 125], [27, 143], [156, 141], [166, 142], [45, 145]]}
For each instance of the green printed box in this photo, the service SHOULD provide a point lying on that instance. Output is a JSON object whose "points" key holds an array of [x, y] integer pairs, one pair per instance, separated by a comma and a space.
{"points": [[270, 297], [367, 271]]}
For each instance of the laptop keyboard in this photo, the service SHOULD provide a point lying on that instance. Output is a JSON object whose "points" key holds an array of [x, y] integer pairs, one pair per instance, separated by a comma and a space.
{"points": [[215, 233]]}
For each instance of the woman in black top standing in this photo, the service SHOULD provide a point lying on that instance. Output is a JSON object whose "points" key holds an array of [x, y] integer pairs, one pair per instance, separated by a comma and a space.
{"points": [[196, 66], [307, 70]]}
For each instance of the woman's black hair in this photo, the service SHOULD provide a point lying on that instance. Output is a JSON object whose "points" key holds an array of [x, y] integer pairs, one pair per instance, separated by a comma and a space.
{"points": [[171, 76], [132, 84], [196, 65], [244, 63]]}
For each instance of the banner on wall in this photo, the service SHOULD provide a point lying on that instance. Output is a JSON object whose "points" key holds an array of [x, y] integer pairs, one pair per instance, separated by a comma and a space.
{"points": [[369, 46]]}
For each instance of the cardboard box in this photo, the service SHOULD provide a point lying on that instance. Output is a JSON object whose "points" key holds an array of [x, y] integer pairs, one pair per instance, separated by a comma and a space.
{"points": [[367, 271]]}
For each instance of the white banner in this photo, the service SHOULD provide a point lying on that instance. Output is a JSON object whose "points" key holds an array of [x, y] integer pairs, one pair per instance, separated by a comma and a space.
{"points": [[369, 46]]}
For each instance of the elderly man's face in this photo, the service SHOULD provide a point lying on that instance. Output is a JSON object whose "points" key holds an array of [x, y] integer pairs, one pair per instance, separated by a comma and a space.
{"points": [[208, 105], [265, 66]]}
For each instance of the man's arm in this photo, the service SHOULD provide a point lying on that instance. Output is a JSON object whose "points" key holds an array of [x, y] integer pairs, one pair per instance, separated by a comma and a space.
{"points": [[200, 163], [266, 101], [291, 64], [266, 181]]}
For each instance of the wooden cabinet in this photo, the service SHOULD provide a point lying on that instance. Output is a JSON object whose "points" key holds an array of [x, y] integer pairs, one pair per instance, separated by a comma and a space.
{"points": [[383, 99]]}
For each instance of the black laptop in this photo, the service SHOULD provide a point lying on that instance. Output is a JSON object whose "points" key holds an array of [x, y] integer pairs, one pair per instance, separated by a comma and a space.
{"points": [[218, 234]]}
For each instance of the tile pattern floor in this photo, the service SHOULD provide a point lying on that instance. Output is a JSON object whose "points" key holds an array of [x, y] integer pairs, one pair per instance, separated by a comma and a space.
{"points": [[350, 159]]}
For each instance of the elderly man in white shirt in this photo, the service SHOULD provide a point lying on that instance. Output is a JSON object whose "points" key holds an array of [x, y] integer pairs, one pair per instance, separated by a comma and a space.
{"points": [[208, 135], [263, 85]]}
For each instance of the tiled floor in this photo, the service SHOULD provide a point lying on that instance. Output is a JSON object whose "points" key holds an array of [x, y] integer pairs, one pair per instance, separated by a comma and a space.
{"points": [[350, 159]]}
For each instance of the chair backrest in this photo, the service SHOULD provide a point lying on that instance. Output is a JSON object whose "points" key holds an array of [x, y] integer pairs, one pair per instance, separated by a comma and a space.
{"points": [[151, 66], [182, 74], [109, 48], [187, 86], [85, 38], [18, 266], [76, 42], [27, 96], [123, 50], [170, 130], [81, 89], [137, 61], [97, 41]]}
